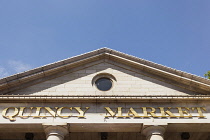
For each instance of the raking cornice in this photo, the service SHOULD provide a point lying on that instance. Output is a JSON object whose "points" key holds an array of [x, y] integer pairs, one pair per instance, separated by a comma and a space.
{"points": [[180, 78]]}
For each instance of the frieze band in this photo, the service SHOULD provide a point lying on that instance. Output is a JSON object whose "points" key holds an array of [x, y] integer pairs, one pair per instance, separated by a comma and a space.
{"points": [[145, 112]]}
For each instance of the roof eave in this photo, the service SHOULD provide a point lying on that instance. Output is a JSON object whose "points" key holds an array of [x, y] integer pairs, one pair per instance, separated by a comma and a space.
{"points": [[192, 81]]}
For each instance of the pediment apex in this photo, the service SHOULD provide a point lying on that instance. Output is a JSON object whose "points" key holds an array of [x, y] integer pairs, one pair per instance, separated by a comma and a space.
{"points": [[191, 81]]}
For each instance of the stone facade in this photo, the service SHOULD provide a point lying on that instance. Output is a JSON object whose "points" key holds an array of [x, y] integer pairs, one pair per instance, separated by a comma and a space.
{"points": [[128, 82], [147, 101]]}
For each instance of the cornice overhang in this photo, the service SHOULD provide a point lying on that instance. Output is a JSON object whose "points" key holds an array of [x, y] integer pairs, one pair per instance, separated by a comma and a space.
{"points": [[83, 98], [179, 78]]}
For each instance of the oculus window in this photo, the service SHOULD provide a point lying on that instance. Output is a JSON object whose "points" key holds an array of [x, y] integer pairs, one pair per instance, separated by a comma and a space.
{"points": [[103, 83]]}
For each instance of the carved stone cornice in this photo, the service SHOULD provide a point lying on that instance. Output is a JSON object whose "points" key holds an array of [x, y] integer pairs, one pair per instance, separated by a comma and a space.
{"points": [[103, 98]]}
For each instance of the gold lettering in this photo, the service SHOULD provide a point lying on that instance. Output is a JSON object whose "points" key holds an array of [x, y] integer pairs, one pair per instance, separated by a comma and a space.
{"points": [[81, 112], [10, 117], [163, 114], [59, 111], [152, 112], [199, 109], [50, 111], [113, 114], [26, 112], [145, 112], [119, 112], [171, 115], [133, 113], [21, 111], [182, 112], [110, 112], [37, 114]]}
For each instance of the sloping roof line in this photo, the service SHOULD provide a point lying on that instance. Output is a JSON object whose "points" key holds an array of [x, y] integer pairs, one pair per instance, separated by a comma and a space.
{"points": [[7, 82]]}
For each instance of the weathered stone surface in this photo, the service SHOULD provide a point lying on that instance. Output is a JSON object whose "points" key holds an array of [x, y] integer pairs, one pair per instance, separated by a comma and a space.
{"points": [[127, 83]]}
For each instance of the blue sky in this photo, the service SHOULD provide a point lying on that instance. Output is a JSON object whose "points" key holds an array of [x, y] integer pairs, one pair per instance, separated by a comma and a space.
{"points": [[175, 33]]}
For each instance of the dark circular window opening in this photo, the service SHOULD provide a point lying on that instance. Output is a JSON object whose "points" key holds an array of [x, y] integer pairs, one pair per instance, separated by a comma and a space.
{"points": [[103, 84]]}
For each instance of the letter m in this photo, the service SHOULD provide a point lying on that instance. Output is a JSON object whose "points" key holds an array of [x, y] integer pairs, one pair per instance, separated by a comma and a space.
{"points": [[111, 112]]}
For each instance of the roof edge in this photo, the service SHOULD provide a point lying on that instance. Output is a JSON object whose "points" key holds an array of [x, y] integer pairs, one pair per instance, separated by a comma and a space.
{"points": [[51, 66]]}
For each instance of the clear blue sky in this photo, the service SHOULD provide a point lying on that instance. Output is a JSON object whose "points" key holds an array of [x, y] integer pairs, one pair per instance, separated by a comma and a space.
{"points": [[175, 33]]}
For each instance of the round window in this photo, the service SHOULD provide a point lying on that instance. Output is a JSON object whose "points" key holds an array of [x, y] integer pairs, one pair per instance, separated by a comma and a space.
{"points": [[103, 83]]}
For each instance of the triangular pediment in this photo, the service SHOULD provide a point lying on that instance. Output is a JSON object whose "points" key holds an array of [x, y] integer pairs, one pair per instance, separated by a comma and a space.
{"points": [[134, 76], [126, 82]]}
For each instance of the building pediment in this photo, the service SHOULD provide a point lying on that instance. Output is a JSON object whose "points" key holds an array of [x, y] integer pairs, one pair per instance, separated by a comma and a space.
{"points": [[104, 94], [135, 74]]}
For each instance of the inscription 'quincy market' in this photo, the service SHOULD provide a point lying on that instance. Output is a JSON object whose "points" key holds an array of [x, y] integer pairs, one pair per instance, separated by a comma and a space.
{"points": [[66, 112]]}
